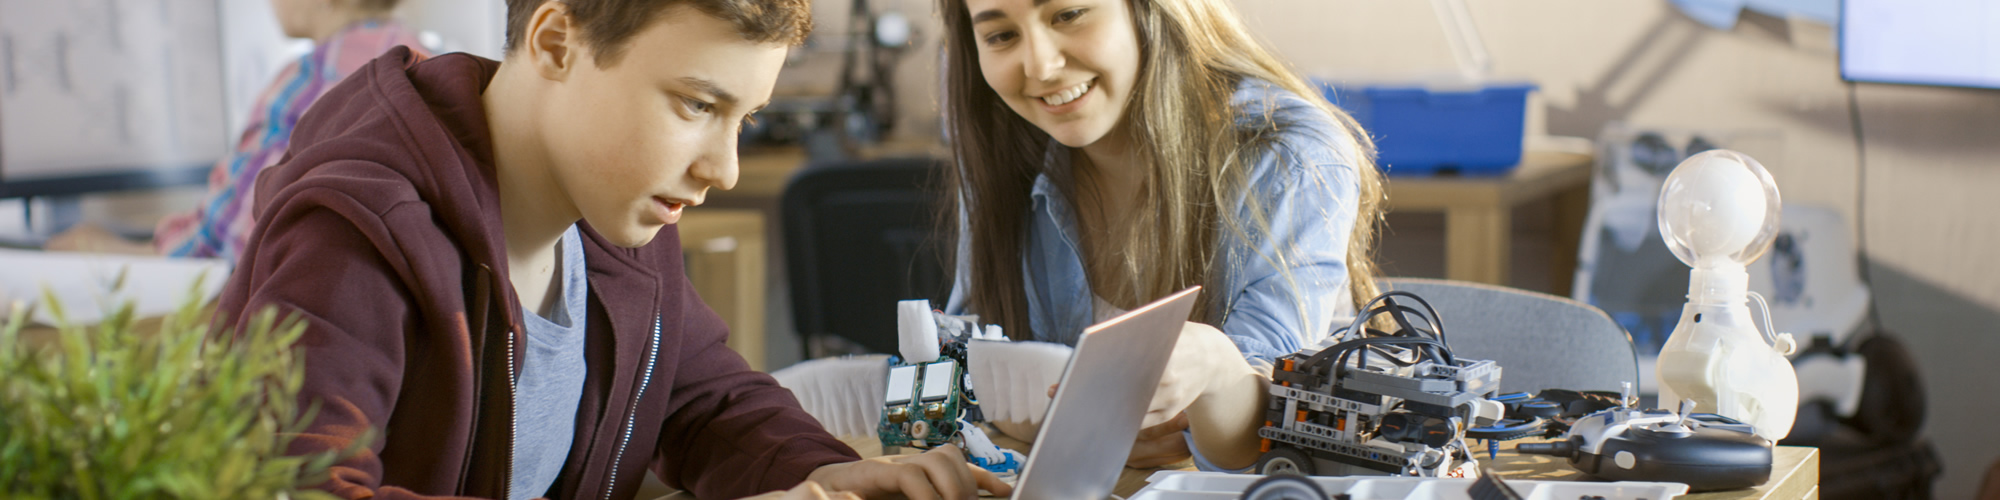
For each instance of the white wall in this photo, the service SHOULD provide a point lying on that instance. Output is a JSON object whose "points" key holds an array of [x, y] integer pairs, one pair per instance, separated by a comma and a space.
{"points": [[255, 48], [475, 26]]}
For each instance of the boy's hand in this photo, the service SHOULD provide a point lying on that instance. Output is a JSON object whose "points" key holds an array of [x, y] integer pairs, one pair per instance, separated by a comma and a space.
{"points": [[939, 474], [805, 491]]}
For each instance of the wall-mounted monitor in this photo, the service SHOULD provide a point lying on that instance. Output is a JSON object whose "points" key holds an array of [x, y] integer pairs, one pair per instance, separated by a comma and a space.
{"points": [[1925, 42]]}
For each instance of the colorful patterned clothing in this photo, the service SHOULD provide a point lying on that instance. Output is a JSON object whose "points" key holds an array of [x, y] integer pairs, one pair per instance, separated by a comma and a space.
{"points": [[221, 224]]}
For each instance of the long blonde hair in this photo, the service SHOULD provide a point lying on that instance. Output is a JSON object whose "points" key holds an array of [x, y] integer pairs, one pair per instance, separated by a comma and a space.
{"points": [[1193, 54]]}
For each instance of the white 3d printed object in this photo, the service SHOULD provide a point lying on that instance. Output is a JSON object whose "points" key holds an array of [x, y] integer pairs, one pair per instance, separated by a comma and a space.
{"points": [[1718, 213]]}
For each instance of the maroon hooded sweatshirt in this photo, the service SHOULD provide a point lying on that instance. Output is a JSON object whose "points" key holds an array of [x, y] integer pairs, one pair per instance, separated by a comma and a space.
{"points": [[382, 231]]}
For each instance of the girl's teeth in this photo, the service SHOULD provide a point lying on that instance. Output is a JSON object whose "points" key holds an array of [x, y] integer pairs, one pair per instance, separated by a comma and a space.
{"points": [[1067, 95]]}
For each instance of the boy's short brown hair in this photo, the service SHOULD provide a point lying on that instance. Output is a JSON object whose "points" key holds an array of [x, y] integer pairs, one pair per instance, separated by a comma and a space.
{"points": [[608, 24]]}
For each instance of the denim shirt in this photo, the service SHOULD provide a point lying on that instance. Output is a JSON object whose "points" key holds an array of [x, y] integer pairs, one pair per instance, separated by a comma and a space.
{"points": [[1303, 177]]}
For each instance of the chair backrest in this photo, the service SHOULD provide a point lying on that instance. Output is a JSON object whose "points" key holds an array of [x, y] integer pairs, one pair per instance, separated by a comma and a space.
{"points": [[858, 238], [1541, 341]]}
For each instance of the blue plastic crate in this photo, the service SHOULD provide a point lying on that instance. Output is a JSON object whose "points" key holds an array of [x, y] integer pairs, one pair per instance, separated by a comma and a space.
{"points": [[1422, 131]]}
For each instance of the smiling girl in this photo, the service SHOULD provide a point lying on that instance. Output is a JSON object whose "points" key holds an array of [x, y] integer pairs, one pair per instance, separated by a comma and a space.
{"points": [[1111, 152]]}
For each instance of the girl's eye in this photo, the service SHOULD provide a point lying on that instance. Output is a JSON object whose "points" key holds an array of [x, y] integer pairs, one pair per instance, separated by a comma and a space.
{"points": [[999, 38], [1068, 15]]}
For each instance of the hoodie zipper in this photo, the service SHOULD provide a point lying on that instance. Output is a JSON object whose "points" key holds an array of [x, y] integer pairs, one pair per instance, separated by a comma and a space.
{"points": [[513, 413], [632, 411]]}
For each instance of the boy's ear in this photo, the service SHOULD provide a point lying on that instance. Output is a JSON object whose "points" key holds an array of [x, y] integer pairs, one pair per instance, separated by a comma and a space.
{"points": [[553, 44]]}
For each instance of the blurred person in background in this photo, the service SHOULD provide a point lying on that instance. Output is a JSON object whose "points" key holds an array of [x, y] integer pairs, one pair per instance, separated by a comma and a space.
{"points": [[346, 34]]}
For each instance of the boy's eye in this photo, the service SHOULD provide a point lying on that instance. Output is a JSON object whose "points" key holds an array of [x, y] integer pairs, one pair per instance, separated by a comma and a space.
{"points": [[698, 106], [1068, 15]]}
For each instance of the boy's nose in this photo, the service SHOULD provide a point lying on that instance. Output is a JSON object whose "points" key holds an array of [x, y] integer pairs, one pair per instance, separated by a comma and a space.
{"points": [[719, 167]]}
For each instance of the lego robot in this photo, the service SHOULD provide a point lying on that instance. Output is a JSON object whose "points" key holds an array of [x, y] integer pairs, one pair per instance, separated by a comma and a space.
{"points": [[1374, 402], [930, 401]]}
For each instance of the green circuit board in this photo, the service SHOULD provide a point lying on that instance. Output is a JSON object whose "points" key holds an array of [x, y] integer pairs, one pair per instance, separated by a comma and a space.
{"points": [[923, 404]]}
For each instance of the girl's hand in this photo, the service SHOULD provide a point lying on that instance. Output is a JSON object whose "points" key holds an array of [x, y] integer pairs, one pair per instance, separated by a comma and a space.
{"points": [[1156, 446], [1222, 396], [1160, 445], [1202, 354]]}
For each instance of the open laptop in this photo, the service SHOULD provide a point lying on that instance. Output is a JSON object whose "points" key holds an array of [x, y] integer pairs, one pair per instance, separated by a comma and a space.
{"points": [[1090, 425]]}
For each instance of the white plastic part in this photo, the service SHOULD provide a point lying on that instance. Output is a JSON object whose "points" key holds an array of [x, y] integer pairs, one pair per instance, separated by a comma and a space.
{"points": [[1833, 379], [1486, 411], [916, 331], [846, 395], [1719, 212], [978, 445], [1014, 377], [1783, 342]]}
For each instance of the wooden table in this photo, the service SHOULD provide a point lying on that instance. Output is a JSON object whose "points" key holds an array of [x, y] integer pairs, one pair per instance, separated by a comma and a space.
{"points": [[1129, 479], [1794, 473], [1479, 214], [1794, 470], [724, 250]]}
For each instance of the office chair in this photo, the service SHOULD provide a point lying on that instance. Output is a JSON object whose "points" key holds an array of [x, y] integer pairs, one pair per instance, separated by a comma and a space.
{"points": [[1540, 341], [858, 237]]}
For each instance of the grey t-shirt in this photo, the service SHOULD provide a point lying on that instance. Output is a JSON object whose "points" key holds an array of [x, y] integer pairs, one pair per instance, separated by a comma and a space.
{"points": [[551, 379]]}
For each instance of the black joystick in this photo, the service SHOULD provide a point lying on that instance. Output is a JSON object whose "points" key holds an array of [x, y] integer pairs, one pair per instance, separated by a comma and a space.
{"points": [[1707, 452]]}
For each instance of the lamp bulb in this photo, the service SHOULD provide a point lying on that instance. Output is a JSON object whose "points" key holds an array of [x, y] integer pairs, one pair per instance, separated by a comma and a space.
{"points": [[1718, 207]]}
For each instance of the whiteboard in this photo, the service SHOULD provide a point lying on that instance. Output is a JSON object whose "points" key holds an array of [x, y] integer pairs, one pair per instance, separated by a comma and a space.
{"points": [[104, 86]]}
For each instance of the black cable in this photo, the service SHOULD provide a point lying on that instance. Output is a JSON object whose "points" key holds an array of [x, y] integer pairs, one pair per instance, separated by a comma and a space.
{"points": [[1397, 356], [1399, 311], [1340, 350], [1435, 352], [1344, 349], [1369, 312], [1442, 350], [1426, 343], [1861, 209]]}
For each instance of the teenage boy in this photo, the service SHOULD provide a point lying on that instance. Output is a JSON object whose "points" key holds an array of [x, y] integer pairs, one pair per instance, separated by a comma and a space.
{"points": [[477, 250]]}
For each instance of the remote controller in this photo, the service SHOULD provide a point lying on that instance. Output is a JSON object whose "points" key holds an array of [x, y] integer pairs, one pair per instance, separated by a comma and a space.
{"points": [[1707, 452]]}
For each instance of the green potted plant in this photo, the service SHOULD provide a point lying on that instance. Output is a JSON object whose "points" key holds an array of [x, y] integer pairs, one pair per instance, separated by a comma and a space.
{"points": [[121, 411]]}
